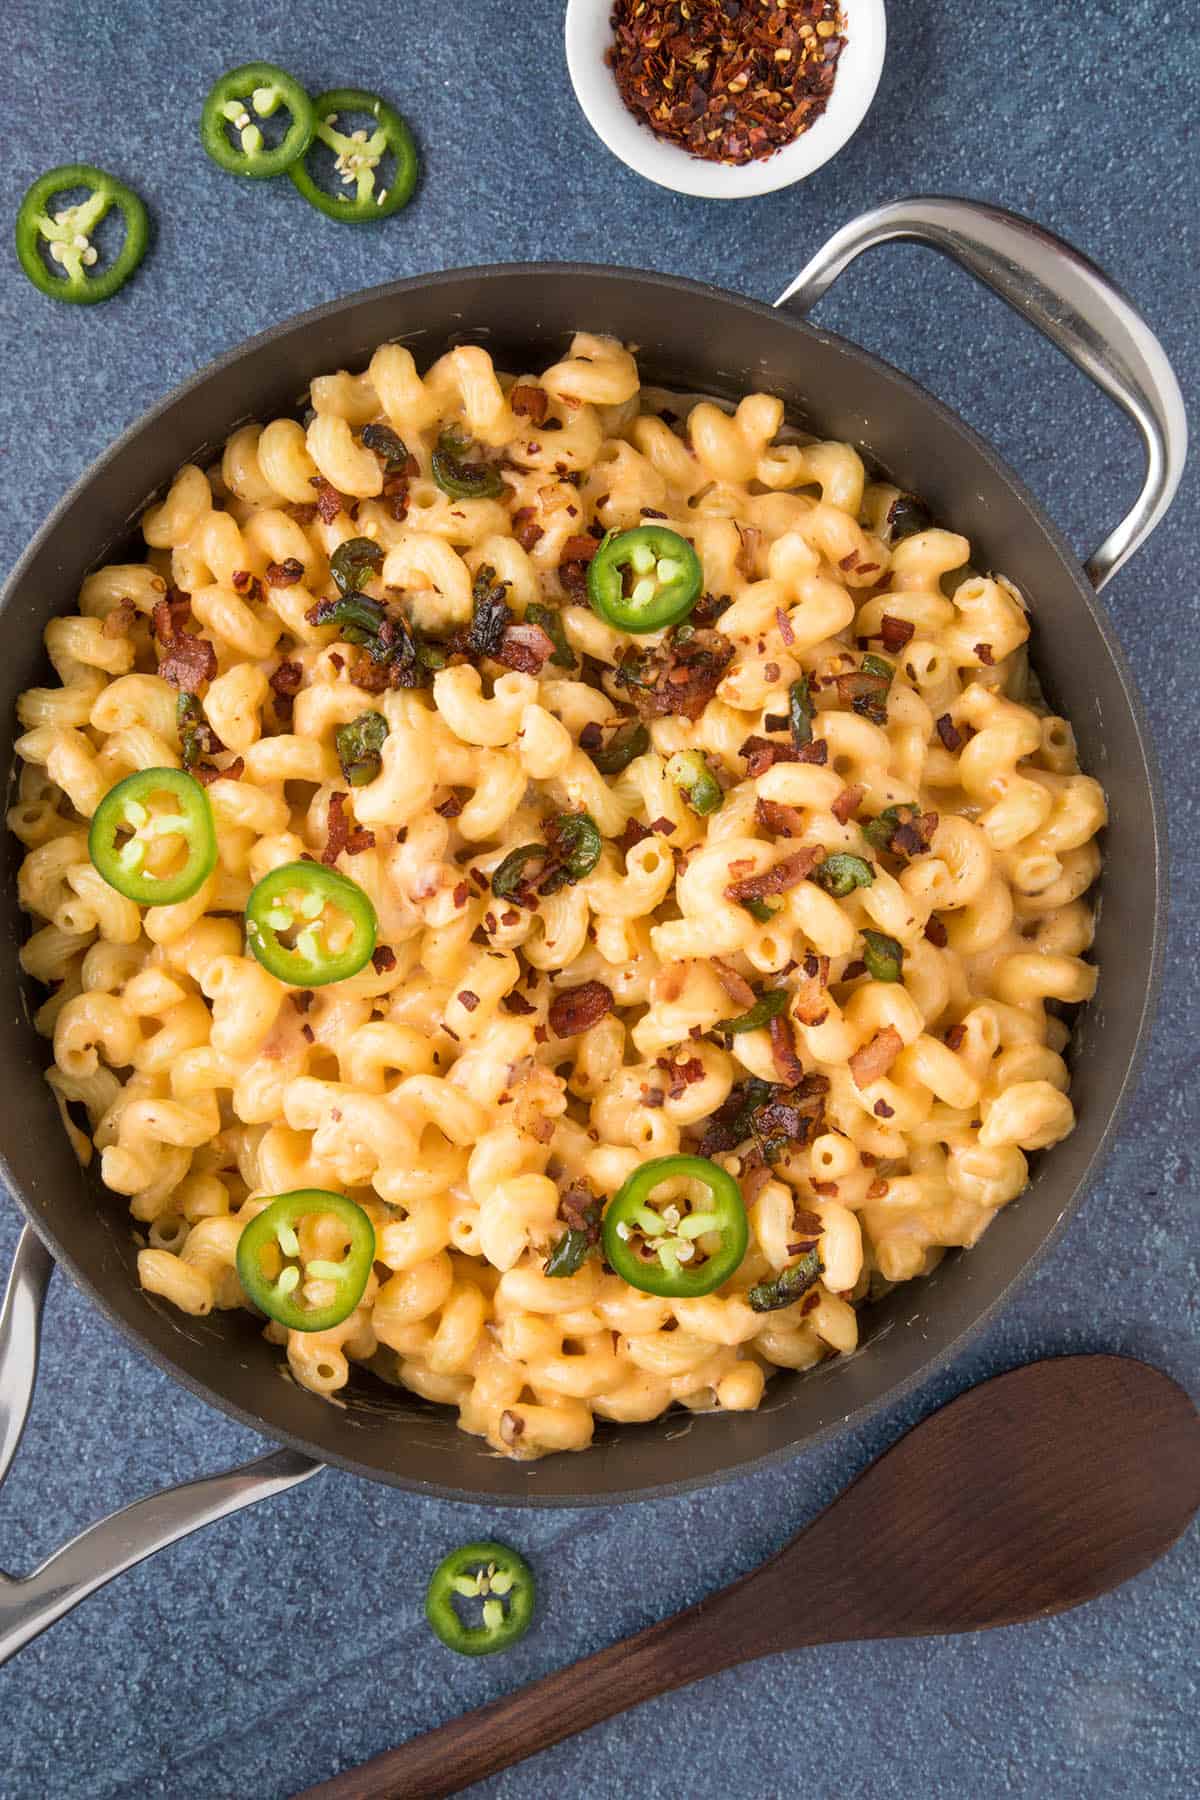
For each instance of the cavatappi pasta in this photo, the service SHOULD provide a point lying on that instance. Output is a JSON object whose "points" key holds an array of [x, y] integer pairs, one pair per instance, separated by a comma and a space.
{"points": [[433, 1087]]}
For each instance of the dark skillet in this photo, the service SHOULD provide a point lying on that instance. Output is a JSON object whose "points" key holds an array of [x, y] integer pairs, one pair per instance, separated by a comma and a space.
{"points": [[692, 337]]}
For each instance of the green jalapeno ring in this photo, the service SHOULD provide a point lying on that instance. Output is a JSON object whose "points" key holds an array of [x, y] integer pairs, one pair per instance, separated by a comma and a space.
{"points": [[255, 90], [125, 809], [357, 158], [497, 1576], [68, 232], [673, 1234], [308, 963], [663, 573], [275, 1228]]}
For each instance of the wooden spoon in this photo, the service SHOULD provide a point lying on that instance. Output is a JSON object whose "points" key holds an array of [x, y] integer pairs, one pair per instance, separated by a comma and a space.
{"points": [[1027, 1495]]}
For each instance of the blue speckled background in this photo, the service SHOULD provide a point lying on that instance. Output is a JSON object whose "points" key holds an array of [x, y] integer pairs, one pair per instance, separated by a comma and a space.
{"points": [[286, 1644]]}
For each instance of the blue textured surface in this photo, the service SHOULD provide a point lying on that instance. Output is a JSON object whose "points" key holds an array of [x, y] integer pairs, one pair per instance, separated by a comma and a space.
{"points": [[279, 1647]]}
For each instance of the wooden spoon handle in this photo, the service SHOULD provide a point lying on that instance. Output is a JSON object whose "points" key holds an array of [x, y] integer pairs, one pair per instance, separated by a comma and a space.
{"points": [[669, 1655]]}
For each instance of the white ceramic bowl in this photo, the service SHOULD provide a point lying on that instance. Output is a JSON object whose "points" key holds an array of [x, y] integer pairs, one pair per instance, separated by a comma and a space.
{"points": [[588, 36]]}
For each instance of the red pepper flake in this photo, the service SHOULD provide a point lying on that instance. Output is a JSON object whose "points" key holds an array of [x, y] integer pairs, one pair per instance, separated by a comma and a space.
{"points": [[518, 1005], [530, 402], [308, 1034], [949, 733], [663, 827], [785, 627], [956, 1037], [895, 633], [526, 529], [384, 959], [634, 833], [827, 1189], [462, 894], [287, 678], [330, 502], [984, 653], [936, 933], [680, 1075], [469, 1000], [285, 574], [883, 1111], [877, 1189], [451, 806], [302, 999], [730, 83]]}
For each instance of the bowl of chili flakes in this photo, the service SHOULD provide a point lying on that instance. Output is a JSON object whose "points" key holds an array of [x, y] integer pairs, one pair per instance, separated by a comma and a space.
{"points": [[725, 99]]}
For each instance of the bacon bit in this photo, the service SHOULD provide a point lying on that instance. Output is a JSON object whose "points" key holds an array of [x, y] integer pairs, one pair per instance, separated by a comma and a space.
{"points": [[798, 1115], [285, 574], [895, 633], [580, 1209], [775, 722], [634, 833], [763, 753], [468, 999], [811, 1002], [780, 820], [451, 806], [338, 830], [287, 678], [652, 1096], [518, 1005], [206, 773], [850, 561], [754, 1177], [526, 529], [462, 894], [882, 1110], [338, 660], [936, 932], [875, 1059], [771, 671], [308, 1034], [394, 493], [579, 1008], [877, 1189], [303, 511], [329, 502], [581, 548], [573, 576], [663, 827], [512, 1427], [119, 620], [302, 999], [786, 874], [190, 659], [810, 1303], [735, 985], [530, 402], [948, 732], [803, 1220], [826, 1189], [853, 970], [847, 802], [525, 648], [984, 653], [247, 585], [680, 1075], [783, 1050], [785, 626], [956, 1037], [676, 678], [383, 959], [815, 752]]}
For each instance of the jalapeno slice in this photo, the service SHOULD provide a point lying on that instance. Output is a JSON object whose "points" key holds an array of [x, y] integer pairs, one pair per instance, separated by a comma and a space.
{"points": [[675, 1247], [357, 157], [645, 579], [629, 740], [302, 1292], [459, 477], [492, 1574], [154, 854], [68, 234], [236, 102], [332, 922]]}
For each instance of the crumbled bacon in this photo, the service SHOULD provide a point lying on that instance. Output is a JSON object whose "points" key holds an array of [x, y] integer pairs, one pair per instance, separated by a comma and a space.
{"points": [[895, 633], [329, 502], [580, 548], [206, 773], [914, 834], [936, 932], [578, 1009], [779, 820], [797, 1115], [755, 1175], [786, 874], [384, 959], [518, 1005], [877, 1189], [287, 678], [462, 894], [525, 648], [530, 402], [680, 1075], [949, 733], [303, 511], [984, 653], [763, 753], [341, 837], [847, 802], [580, 1209], [285, 574], [663, 827], [676, 678], [190, 660], [735, 985], [526, 529], [573, 576], [394, 493], [811, 1002], [876, 1058], [783, 1050], [119, 620], [634, 833]]}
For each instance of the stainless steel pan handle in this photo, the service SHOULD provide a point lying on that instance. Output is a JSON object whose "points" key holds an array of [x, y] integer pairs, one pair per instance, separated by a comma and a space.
{"points": [[124, 1538], [1070, 301]]}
